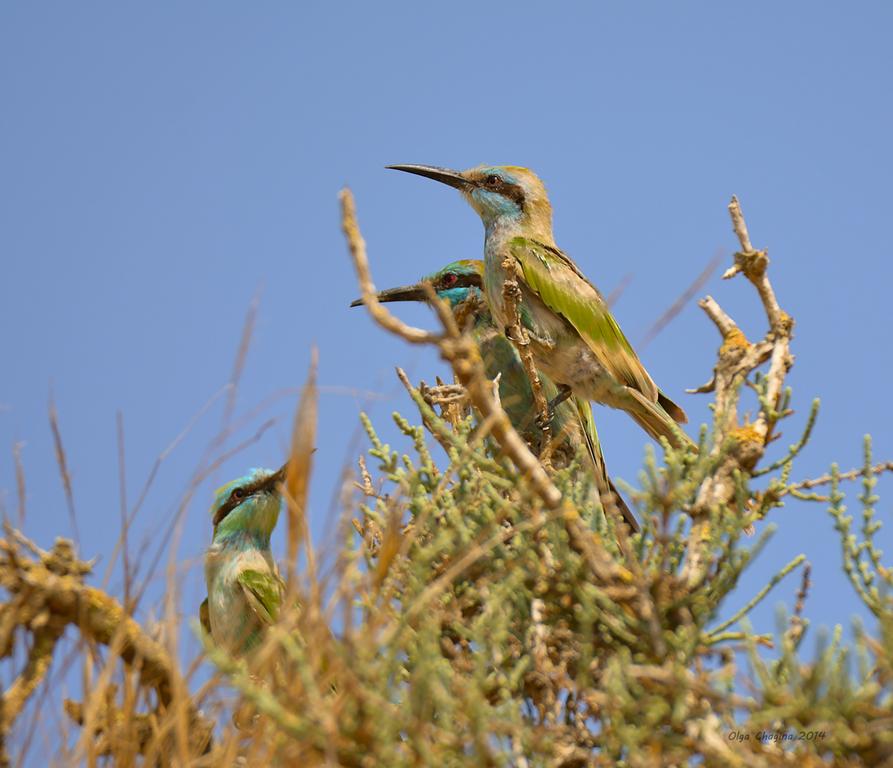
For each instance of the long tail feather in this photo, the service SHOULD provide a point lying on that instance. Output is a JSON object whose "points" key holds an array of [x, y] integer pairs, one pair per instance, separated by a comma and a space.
{"points": [[657, 422], [608, 494], [675, 412], [620, 505]]}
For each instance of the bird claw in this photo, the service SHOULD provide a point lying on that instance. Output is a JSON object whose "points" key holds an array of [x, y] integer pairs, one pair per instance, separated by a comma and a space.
{"points": [[544, 420]]}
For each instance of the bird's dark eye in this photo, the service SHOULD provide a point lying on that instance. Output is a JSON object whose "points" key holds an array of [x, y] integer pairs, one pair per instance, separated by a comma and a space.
{"points": [[493, 180], [238, 493], [449, 280]]}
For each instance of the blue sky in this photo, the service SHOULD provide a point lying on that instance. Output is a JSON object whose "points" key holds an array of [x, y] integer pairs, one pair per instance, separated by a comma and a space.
{"points": [[162, 165]]}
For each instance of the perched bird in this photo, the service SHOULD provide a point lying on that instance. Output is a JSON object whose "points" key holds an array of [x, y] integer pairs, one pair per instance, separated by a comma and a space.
{"points": [[244, 586], [460, 284], [573, 336]]}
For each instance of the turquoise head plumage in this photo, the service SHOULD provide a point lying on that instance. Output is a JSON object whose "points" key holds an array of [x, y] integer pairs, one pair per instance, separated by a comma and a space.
{"points": [[248, 505], [501, 195], [244, 587], [459, 282]]}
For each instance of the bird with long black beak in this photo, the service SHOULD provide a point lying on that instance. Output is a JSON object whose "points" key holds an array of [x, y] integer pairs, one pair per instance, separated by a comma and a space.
{"points": [[573, 336]]}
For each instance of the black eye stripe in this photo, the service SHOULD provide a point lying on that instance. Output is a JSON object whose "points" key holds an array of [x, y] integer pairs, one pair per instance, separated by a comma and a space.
{"points": [[462, 281], [225, 509], [232, 502], [500, 185]]}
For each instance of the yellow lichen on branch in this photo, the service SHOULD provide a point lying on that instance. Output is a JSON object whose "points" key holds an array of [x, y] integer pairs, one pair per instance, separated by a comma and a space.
{"points": [[736, 447], [46, 595]]}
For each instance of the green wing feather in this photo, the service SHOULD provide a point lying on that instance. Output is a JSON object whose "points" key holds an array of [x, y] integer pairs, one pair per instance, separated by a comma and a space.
{"points": [[565, 290], [603, 483], [593, 446], [263, 592]]}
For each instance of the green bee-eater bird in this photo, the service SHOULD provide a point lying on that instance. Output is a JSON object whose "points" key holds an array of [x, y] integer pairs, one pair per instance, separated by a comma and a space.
{"points": [[574, 338], [244, 586], [460, 284]]}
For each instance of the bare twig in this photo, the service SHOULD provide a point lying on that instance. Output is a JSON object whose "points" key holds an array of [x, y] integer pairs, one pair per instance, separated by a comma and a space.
{"points": [[367, 288], [723, 322], [619, 290], [153, 473], [738, 356], [853, 474], [797, 624], [511, 294], [677, 306], [740, 229], [63, 467], [173, 530], [122, 497], [20, 482], [239, 362], [753, 264]]}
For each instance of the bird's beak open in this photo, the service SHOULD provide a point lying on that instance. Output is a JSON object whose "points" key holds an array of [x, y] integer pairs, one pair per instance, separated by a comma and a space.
{"points": [[404, 293], [443, 175]]}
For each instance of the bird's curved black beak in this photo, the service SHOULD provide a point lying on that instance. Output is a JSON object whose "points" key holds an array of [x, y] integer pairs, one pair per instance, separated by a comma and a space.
{"points": [[443, 175], [277, 477], [403, 293]]}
